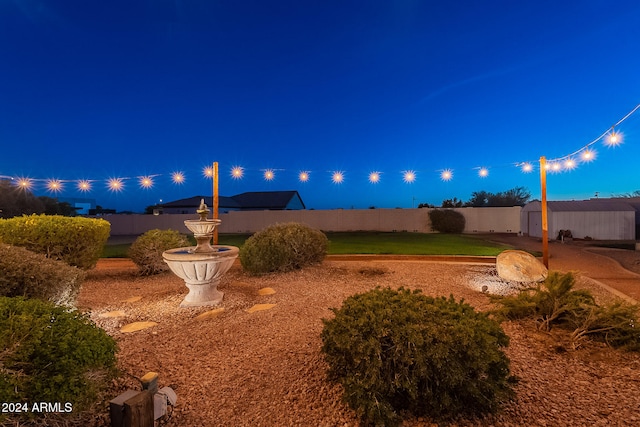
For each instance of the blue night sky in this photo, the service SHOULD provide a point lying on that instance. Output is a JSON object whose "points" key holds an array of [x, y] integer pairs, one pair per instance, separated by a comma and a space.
{"points": [[122, 89]]}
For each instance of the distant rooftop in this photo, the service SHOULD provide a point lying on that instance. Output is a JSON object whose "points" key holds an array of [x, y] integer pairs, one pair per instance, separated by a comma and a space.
{"points": [[257, 200]]}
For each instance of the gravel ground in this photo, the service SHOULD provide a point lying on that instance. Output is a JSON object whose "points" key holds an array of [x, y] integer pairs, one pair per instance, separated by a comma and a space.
{"points": [[265, 368]]}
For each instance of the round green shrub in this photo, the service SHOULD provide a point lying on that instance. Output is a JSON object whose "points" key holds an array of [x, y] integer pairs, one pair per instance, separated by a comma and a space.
{"points": [[398, 350], [75, 240], [447, 221], [24, 273], [283, 247], [146, 251], [51, 354]]}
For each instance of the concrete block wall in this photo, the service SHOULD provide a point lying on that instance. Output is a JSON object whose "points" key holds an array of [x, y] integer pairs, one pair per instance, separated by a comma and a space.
{"points": [[478, 220]]}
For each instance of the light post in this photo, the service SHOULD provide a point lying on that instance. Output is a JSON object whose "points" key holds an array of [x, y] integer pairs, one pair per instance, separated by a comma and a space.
{"points": [[215, 200], [545, 226]]}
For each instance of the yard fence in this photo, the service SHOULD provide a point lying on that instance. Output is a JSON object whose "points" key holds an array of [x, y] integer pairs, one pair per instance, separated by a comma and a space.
{"points": [[478, 220]]}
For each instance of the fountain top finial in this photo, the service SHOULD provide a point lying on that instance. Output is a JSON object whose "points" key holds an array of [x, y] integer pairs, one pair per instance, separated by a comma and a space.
{"points": [[202, 210]]}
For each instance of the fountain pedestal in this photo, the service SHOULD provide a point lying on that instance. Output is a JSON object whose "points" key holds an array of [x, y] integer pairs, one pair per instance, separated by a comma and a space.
{"points": [[202, 266], [201, 272]]}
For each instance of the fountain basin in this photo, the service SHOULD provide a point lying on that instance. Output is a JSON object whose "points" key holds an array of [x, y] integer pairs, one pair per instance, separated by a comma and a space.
{"points": [[202, 227], [201, 272]]}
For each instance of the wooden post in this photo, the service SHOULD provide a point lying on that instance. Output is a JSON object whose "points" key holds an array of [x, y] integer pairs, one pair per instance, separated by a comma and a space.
{"points": [[138, 411], [215, 200], [545, 225]]}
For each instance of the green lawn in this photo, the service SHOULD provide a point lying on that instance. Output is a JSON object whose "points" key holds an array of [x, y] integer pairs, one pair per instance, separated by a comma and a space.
{"points": [[411, 244], [374, 243]]}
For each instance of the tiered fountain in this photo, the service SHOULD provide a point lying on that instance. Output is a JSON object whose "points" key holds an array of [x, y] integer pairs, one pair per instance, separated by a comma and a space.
{"points": [[202, 266]]}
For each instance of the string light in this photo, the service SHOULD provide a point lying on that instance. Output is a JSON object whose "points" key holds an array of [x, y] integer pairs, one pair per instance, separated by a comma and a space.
{"points": [[84, 185], [408, 176], [269, 175], [54, 185], [570, 164], [587, 153], [115, 184], [446, 175], [614, 139], [177, 177], [303, 176], [25, 183], [146, 182], [237, 172], [610, 138]]}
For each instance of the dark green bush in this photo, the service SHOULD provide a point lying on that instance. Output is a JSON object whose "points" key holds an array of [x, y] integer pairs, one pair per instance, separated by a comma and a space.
{"points": [[51, 354], [447, 221], [24, 273], [283, 247], [401, 350], [146, 251], [555, 303], [77, 241]]}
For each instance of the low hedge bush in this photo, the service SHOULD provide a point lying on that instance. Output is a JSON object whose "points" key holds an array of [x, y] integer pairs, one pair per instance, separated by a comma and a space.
{"points": [[398, 350], [146, 251], [447, 221], [283, 247], [77, 241], [51, 354], [24, 273]]}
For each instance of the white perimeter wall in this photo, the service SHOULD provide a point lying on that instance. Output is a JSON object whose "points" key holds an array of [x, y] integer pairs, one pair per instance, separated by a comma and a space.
{"points": [[478, 220]]}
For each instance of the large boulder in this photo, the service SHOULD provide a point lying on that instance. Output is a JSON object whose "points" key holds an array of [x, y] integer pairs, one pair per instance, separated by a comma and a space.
{"points": [[520, 266]]}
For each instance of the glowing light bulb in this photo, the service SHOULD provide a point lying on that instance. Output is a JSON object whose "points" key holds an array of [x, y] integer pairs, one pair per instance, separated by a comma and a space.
{"points": [[146, 182], [269, 175], [237, 172], [25, 183], [408, 176], [588, 155], [555, 167], [54, 185], [483, 172], [303, 176], [84, 185], [374, 177], [208, 172], [446, 175], [115, 184], [570, 164], [527, 167], [613, 139], [337, 177], [177, 177]]}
